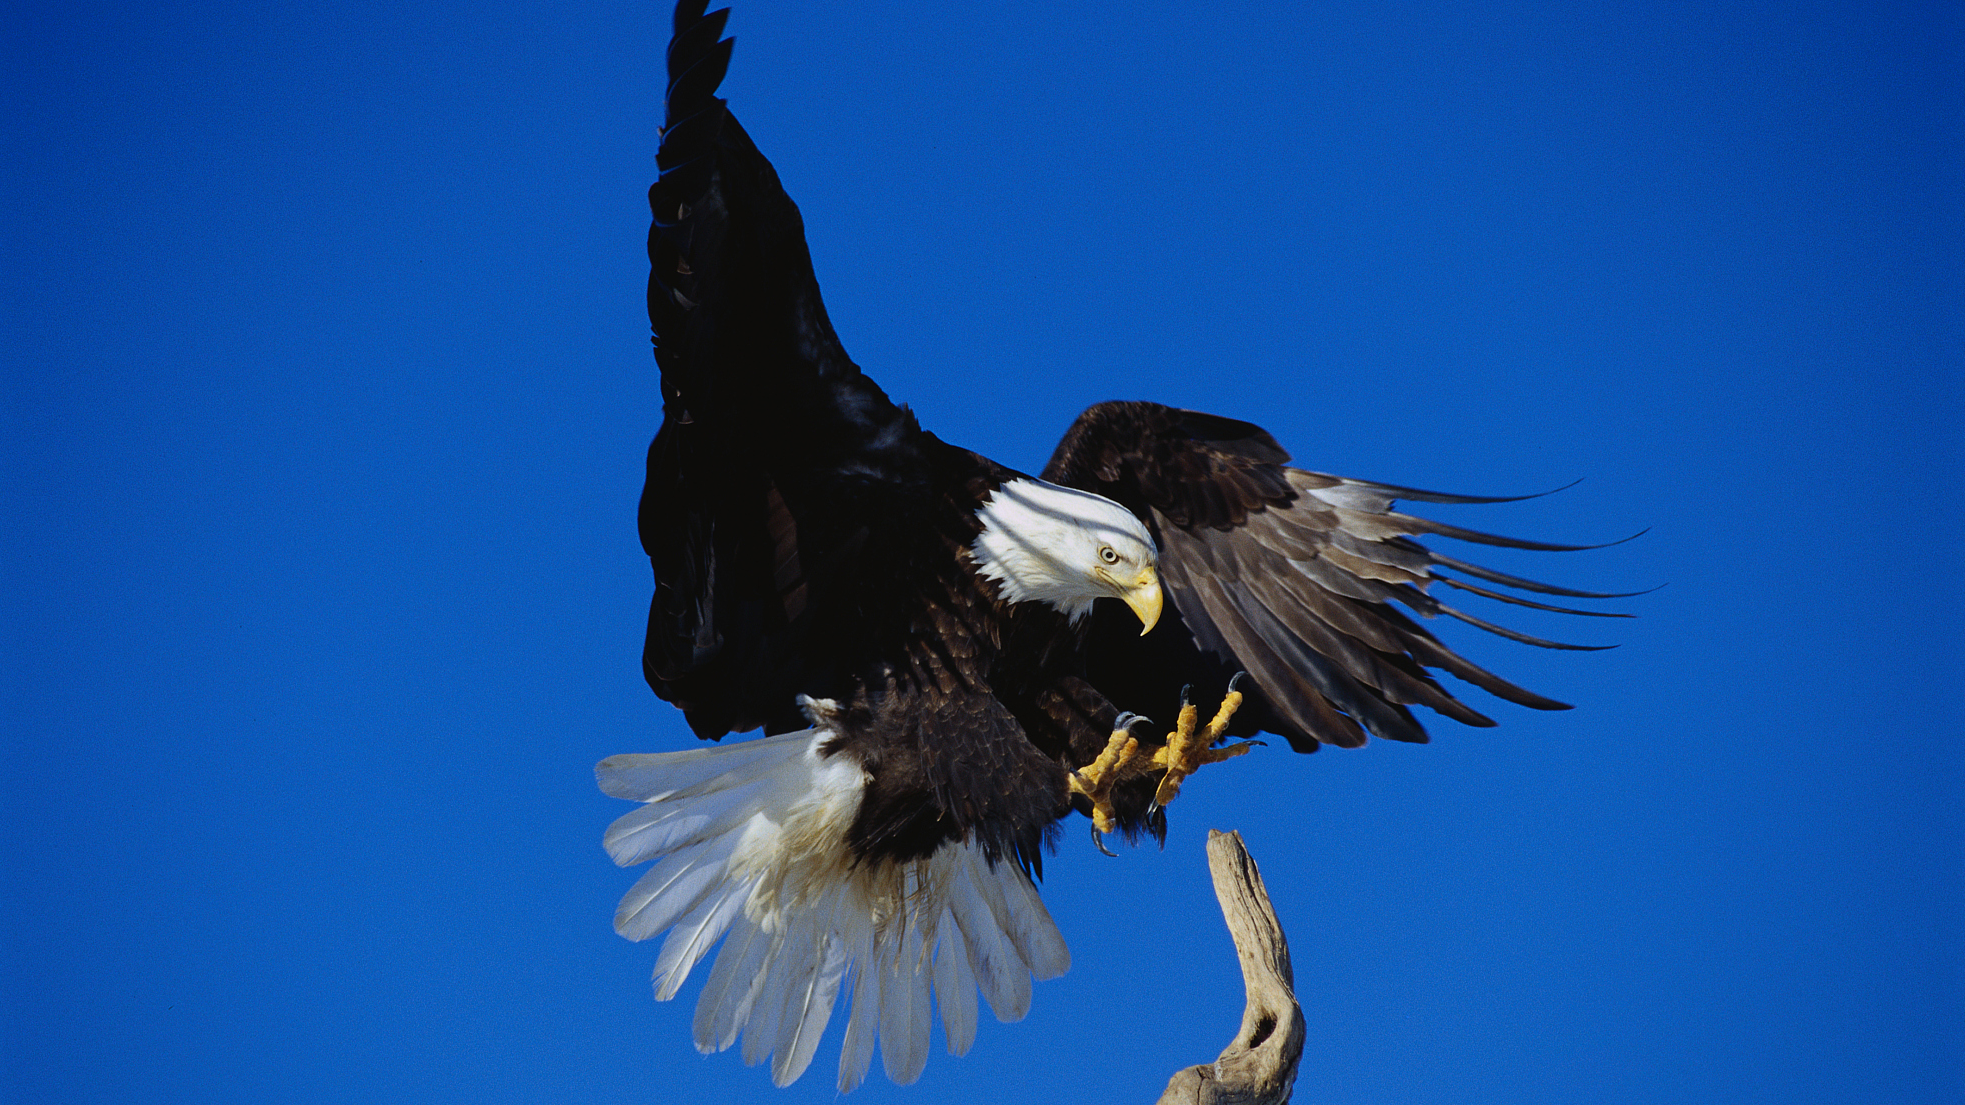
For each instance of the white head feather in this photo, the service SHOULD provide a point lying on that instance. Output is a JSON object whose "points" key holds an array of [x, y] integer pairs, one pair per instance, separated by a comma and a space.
{"points": [[1066, 548]]}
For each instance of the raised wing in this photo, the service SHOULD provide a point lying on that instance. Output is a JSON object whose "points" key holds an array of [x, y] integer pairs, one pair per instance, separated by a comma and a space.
{"points": [[781, 474], [1294, 577], [731, 293]]}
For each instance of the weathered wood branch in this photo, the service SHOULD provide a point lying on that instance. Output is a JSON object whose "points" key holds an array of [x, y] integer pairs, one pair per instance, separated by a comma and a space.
{"points": [[1259, 1065]]}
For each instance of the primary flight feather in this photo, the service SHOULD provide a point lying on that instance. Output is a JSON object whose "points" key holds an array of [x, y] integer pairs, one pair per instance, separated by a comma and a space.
{"points": [[950, 656]]}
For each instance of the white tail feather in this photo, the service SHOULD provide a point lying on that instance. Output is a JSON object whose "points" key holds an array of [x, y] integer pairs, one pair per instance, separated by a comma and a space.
{"points": [[1003, 975], [1032, 930], [691, 940], [904, 1015], [808, 1009], [761, 1034], [752, 844], [955, 985], [725, 1004], [660, 827], [863, 1027], [673, 887], [656, 776]]}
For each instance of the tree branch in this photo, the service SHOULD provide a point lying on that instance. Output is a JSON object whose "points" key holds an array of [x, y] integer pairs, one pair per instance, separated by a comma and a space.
{"points": [[1259, 1065]]}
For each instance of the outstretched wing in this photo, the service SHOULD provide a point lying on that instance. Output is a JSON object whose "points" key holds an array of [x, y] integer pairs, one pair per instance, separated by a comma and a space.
{"points": [[785, 492], [1294, 577]]}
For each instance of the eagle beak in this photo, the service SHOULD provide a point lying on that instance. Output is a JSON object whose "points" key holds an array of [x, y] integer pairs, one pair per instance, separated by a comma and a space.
{"points": [[1144, 597]]}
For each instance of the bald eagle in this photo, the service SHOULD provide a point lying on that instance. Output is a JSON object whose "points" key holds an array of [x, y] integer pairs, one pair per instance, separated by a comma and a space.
{"points": [[949, 656]]}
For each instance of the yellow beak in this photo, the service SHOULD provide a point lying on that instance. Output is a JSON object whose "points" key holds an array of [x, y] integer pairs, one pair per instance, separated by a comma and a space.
{"points": [[1144, 597]]}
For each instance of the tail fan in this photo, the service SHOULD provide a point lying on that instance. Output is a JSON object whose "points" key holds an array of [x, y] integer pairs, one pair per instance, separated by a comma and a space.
{"points": [[751, 849]]}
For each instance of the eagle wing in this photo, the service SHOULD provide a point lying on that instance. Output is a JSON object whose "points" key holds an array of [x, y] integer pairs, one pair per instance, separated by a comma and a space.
{"points": [[1295, 577], [785, 491]]}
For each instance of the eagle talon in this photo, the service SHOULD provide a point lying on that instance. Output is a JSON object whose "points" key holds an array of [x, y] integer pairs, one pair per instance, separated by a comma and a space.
{"points": [[1186, 749], [1096, 779], [1098, 841]]}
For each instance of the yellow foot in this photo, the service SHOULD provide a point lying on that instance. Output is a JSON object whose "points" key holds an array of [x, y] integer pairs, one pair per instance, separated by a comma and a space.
{"points": [[1095, 780], [1186, 750]]}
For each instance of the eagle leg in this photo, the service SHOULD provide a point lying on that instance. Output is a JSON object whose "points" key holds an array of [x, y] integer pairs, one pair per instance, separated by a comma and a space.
{"points": [[1186, 750], [1095, 780]]}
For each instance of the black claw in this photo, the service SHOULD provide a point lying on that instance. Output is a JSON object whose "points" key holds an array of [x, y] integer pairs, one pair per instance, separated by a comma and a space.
{"points": [[1187, 696], [1098, 841], [1236, 678], [1129, 719]]}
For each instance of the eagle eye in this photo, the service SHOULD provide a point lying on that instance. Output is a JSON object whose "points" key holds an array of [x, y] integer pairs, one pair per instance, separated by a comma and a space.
{"points": [[1108, 555]]}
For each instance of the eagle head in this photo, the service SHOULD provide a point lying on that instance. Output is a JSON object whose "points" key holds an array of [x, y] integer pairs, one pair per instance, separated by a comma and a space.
{"points": [[1067, 549]]}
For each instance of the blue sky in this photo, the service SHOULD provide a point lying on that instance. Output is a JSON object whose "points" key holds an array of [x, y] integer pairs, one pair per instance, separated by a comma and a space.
{"points": [[327, 391]]}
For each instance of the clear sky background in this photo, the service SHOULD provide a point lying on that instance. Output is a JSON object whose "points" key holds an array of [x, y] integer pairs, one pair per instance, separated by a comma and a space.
{"points": [[328, 384]]}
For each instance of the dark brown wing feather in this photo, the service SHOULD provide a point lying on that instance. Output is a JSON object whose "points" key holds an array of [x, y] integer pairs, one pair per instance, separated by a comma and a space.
{"points": [[779, 480], [1292, 576], [805, 533]]}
